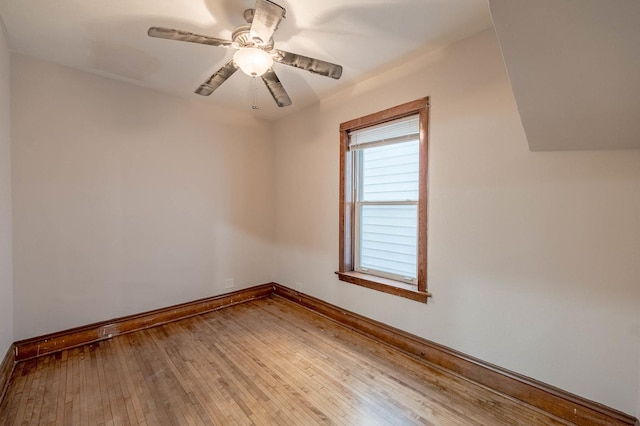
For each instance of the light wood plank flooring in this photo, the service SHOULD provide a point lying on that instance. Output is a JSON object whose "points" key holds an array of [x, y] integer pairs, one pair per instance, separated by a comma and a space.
{"points": [[264, 362]]}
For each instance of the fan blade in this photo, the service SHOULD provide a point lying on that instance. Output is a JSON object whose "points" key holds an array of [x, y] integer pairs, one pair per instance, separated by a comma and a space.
{"points": [[272, 82], [265, 20], [171, 34], [217, 79], [315, 66]]}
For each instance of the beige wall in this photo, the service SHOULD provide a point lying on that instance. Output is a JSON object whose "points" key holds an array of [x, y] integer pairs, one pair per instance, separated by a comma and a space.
{"points": [[533, 257], [6, 263], [126, 199]]}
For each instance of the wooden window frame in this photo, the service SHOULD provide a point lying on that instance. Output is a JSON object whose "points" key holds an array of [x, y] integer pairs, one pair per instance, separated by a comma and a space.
{"points": [[346, 262]]}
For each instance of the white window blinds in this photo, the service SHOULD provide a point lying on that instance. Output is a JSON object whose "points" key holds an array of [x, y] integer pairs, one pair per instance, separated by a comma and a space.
{"points": [[400, 130]]}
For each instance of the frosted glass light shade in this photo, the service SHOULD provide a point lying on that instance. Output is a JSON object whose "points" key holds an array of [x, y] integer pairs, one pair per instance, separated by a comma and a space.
{"points": [[253, 61]]}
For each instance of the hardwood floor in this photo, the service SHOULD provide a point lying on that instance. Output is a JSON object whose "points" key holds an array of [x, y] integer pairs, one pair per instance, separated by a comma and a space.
{"points": [[268, 361]]}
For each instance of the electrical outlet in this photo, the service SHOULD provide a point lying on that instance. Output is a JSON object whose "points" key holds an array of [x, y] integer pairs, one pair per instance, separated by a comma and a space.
{"points": [[298, 285], [229, 283]]}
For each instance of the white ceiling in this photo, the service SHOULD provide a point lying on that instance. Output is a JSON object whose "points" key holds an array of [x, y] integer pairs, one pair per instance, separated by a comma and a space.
{"points": [[574, 67], [110, 38]]}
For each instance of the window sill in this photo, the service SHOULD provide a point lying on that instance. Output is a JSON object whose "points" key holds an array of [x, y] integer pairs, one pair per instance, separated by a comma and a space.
{"points": [[385, 285]]}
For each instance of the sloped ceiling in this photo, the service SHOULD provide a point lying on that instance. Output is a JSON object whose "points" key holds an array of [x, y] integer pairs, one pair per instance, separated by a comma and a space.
{"points": [[574, 67], [110, 38]]}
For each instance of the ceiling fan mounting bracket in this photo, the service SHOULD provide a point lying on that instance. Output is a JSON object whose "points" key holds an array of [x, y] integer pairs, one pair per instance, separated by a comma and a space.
{"points": [[248, 15]]}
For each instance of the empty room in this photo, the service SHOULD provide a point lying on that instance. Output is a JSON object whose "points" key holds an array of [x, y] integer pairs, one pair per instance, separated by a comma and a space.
{"points": [[294, 212]]}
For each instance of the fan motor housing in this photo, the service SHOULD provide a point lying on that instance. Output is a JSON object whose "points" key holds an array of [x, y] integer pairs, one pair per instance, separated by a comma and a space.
{"points": [[241, 35], [242, 38]]}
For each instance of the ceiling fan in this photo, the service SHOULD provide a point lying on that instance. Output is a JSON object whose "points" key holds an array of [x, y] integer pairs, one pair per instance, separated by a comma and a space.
{"points": [[255, 54]]}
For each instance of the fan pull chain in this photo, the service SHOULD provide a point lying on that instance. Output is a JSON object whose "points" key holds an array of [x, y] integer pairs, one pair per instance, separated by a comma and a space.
{"points": [[255, 94]]}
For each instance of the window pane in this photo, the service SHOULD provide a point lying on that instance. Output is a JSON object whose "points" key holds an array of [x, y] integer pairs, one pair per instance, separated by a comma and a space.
{"points": [[388, 239], [390, 172]]}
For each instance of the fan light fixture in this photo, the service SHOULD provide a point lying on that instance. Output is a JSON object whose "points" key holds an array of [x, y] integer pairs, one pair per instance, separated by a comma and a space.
{"points": [[253, 61]]}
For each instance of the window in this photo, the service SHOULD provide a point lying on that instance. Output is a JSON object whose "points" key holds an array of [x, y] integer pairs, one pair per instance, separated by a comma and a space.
{"points": [[383, 200]]}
